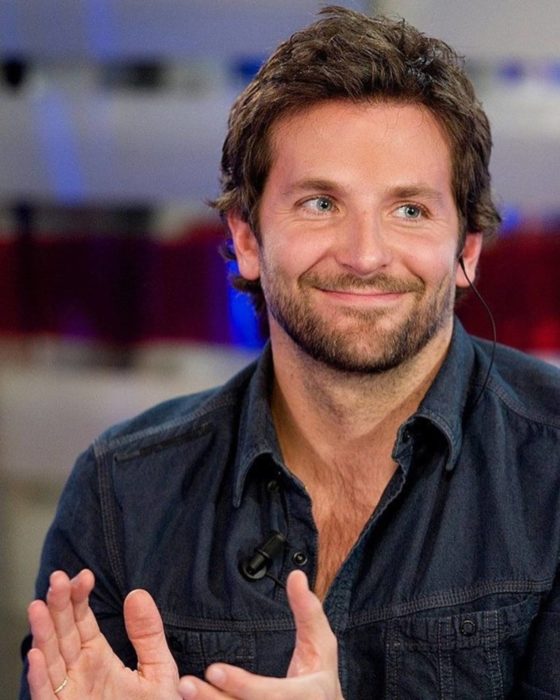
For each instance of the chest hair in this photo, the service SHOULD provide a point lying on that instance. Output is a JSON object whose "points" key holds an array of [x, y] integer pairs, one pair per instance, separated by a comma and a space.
{"points": [[340, 511]]}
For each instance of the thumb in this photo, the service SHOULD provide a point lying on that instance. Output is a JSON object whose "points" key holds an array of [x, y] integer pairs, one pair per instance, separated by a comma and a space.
{"points": [[316, 646], [145, 631]]}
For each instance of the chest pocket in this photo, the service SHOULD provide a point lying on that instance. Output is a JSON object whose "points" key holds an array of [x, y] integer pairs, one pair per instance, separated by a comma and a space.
{"points": [[194, 650], [465, 656]]}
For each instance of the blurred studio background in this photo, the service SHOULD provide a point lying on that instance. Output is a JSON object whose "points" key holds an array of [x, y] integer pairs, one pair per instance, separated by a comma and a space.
{"points": [[112, 292]]}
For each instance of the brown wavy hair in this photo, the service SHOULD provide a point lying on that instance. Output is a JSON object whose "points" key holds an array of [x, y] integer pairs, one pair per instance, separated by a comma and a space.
{"points": [[348, 55]]}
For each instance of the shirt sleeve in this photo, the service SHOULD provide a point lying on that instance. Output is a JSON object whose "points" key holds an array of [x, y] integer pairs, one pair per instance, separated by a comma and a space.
{"points": [[542, 676], [77, 539]]}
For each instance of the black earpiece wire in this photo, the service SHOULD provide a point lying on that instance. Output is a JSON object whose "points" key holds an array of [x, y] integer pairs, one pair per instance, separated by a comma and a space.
{"points": [[494, 332]]}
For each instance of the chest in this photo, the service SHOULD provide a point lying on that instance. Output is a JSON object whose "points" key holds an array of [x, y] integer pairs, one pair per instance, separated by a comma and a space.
{"points": [[340, 517], [344, 493], [337, 535]]}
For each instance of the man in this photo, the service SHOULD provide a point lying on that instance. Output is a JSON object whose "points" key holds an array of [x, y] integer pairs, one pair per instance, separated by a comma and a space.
{"points": [[410, 471]]}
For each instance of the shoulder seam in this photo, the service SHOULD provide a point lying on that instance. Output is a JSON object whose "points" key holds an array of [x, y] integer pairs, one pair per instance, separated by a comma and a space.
{"points": [[191, 423], [540, 418]]}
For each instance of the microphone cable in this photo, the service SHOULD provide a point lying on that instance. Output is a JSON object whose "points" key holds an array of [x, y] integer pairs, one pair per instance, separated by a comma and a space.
{"points": [[494, 333]]}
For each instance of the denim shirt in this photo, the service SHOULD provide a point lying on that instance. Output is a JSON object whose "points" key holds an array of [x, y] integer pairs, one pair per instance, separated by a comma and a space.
{"points": [[451, 590]]}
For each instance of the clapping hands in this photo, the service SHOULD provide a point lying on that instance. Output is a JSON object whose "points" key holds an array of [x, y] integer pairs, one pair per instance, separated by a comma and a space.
{"points": [[72, 660]]}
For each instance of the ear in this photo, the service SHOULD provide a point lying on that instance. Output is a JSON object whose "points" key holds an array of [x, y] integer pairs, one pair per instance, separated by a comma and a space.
{"points": [[470, 255], [245, 245]]}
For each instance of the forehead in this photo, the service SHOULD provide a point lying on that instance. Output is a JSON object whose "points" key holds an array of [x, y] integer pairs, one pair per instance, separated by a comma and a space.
{"points": [[340, 134]]}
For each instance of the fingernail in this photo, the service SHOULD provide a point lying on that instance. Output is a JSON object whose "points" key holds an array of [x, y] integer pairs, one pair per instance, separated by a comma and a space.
{"points": [[187, 689], [216, 675]]}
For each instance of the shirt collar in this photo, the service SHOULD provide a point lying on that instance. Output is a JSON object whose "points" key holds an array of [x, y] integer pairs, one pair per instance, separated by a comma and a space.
{"points": [[443, 407], [257, 435], [446, 401]]}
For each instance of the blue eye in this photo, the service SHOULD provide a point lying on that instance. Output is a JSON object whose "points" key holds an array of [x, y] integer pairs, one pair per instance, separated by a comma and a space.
{"points": [[320, 205], [411, 211]]}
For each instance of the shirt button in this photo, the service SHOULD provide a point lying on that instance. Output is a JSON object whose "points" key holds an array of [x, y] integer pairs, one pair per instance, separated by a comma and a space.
{"points": [[299, 558], [468, 627], [406, 435], [273, 486]]}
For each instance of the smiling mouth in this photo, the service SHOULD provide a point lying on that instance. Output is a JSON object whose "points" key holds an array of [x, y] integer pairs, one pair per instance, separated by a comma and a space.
{"points": [[362, 292], [380, 287], [350, 294], [362, 298]]}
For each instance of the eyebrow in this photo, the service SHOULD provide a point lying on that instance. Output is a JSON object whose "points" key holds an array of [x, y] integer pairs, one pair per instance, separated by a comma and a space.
{"points": [[420, 190], [311, 185]]}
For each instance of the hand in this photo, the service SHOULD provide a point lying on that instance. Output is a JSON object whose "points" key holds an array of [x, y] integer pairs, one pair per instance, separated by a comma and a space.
{"points": [[68, 644], [313, 670]]}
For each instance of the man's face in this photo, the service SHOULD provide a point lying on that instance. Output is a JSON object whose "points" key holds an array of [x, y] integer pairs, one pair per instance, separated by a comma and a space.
{"points": [[358, 234]]}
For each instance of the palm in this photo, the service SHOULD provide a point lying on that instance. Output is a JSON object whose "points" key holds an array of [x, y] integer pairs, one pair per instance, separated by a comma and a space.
{"points": [[98, 674], [69, 644]]}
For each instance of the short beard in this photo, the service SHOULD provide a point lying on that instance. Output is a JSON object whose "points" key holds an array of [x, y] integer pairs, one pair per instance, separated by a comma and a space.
{"points": [[340, 350]]}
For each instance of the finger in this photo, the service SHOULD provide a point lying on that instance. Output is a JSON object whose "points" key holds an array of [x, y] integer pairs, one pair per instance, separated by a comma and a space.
{"points": [[192, 688], [233, 682], [49, 668], [316, 646], [61, 609], [38, 676], [145, 631], [81, 587]]}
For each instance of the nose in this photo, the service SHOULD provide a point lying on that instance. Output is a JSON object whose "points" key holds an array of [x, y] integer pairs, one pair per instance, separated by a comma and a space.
{"points": [[362, 247]]}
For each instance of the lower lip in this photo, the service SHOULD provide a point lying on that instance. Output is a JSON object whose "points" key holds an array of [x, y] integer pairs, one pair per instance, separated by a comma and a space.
{"points": [[357, 298]]}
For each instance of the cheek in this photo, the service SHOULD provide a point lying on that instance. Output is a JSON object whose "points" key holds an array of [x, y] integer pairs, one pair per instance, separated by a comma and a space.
{"points": [[431, 262], [292, 256]]}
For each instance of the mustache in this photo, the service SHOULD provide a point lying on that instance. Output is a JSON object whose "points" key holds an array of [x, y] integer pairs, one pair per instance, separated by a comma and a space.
{"points": [[346, 282]]}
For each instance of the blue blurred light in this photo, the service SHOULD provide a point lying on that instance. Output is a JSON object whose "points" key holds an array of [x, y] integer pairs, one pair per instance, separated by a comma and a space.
{"points": [[244, 324], [512, 219], [553, 72], [512, 71], [12, 36], [59, 144], [100, 28], [245, 68]]}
